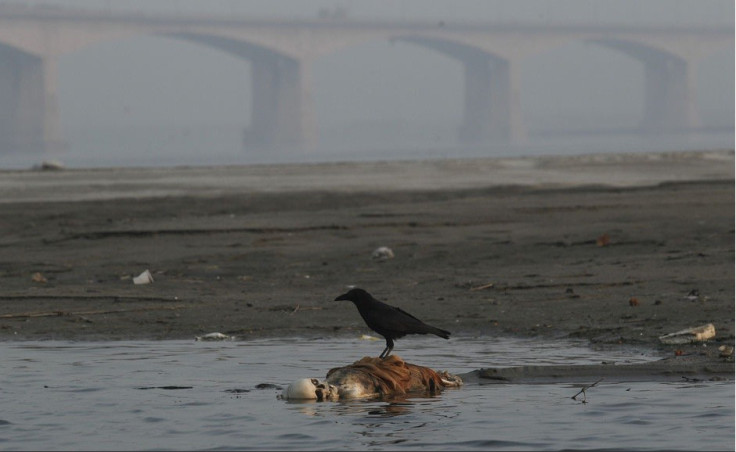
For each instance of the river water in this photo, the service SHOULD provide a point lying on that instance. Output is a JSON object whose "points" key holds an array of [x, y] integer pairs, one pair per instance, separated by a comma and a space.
{"points": [[188, 395], [222, 145]]}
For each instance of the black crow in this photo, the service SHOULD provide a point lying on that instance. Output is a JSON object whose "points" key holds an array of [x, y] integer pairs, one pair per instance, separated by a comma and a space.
{"points": [[388, 321]]}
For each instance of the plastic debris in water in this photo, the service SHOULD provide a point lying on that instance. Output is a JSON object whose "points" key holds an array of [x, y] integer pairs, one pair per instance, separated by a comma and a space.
{"points": [[144, 278], [686, 336]]}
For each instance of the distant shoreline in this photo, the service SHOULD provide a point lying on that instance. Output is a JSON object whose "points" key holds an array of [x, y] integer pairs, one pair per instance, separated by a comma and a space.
{"points": [[617, 169]]}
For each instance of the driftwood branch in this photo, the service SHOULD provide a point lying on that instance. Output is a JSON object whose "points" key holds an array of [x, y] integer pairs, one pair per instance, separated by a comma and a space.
{"points": [[584, 388]]}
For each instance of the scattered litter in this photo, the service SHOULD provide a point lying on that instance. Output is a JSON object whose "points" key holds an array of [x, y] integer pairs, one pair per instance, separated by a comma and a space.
{"points": [[144, 278], [214, 337], [382, 253], [726, 351], [603, 240], [694, 295], [367, 337], [633, 302], [686, 336], [38, 277]]}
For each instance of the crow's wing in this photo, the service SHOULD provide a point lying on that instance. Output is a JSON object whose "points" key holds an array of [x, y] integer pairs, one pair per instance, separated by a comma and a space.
{"points": [[408, 315], [394, 322], [401, 321], [421, 327]]}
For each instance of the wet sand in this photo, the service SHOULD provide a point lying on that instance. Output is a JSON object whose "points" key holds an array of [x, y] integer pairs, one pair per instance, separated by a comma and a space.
{"points": [[552, 247]]}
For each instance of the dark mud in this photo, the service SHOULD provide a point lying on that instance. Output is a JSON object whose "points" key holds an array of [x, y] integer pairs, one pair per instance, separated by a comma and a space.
{"points": [[612, 264]]}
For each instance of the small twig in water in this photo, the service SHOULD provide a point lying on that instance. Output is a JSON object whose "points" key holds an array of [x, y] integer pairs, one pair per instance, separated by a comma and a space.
{"points": [[582, 391]]}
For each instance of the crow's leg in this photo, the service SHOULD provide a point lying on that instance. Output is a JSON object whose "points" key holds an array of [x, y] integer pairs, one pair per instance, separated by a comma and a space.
{"points": [[387, 350]]}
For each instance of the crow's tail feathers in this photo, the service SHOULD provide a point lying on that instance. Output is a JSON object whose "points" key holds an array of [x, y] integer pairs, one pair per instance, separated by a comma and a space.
{"points": [[441, 333]]}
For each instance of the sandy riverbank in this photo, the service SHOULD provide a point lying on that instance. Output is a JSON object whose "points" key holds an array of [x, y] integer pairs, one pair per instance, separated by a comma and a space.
{"points": [[494, 247]]}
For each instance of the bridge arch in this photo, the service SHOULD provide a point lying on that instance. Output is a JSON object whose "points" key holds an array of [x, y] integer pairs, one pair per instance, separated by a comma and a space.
{"points": [[274, 94], [281, 112], [668, 54], [579, 86], [716, 107], [386, 94], [488, 109], [491, 108], [28, 119], [152, 92], [668, 84]]}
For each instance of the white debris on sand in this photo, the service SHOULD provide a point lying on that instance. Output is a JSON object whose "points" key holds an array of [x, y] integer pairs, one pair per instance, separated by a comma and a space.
{"points": [[214, 337], [382, 253], [144, 278], [686, 336]]}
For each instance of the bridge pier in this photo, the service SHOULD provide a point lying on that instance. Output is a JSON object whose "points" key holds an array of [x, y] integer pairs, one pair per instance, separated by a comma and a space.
{"points": [[29, 116], [670, 102], [492, 101], [282, 110]]}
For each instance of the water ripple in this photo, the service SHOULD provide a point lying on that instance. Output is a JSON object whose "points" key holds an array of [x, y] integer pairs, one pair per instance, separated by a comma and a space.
{"points": [[61, 395]]}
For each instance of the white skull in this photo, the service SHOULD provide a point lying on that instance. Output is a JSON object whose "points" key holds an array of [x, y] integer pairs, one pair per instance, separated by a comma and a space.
{"points": [[310, 389]]}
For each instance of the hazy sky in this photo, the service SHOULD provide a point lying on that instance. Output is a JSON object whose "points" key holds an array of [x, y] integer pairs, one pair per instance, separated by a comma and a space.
{"points": [[153, 80], [631, 11]]}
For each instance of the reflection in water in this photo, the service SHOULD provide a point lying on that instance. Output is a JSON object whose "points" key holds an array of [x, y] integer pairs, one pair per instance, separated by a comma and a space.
{"points": [[379, 407], [395, 406]]}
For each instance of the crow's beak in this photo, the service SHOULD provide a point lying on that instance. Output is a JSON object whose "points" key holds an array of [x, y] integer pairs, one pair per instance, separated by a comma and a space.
{"points": [[341, 297]]}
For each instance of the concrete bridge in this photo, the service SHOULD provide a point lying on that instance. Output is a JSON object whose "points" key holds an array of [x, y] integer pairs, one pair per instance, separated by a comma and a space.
{"points": [[282, 52]]}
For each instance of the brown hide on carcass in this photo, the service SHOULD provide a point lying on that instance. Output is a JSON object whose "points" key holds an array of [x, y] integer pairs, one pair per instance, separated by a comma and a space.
{"points": [[389, 376]]}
